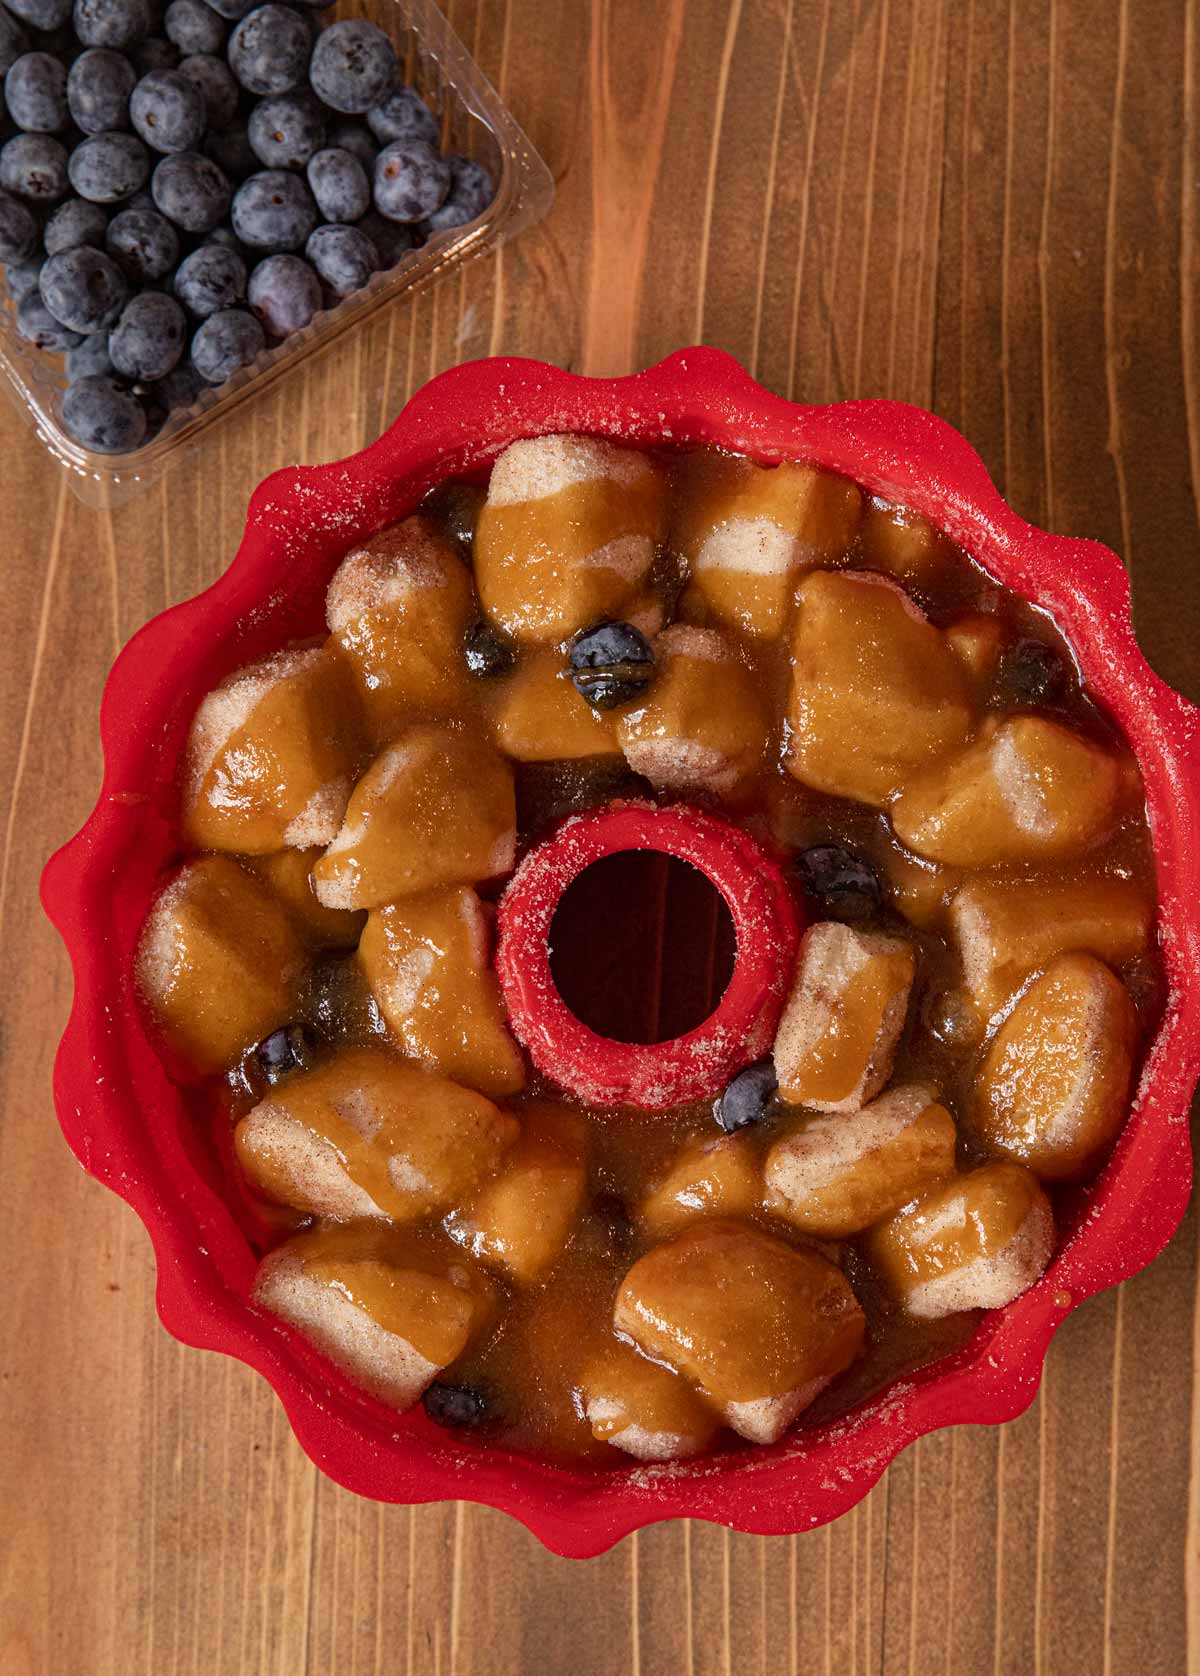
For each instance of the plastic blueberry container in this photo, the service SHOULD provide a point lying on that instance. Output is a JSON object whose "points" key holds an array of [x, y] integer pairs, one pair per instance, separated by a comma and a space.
{"points": [[475, 122], [151, 1140]]}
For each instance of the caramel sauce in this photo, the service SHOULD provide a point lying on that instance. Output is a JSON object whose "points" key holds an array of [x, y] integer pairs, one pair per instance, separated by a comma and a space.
{"points": [[833, 1067]]}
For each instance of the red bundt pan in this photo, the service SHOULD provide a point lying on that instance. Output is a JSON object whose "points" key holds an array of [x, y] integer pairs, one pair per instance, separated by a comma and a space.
{"points": [[148, 1139]]}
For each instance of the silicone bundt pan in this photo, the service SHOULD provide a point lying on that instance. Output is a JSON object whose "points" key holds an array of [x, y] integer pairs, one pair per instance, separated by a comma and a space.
{"points": [[149, 1139]]}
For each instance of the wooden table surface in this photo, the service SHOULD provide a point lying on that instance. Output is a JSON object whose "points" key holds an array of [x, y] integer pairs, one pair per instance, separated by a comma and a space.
{"points": [[986, 208]]}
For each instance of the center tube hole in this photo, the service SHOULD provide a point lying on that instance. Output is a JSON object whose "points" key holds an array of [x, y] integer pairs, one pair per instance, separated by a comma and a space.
{"points": [[642, 947]]}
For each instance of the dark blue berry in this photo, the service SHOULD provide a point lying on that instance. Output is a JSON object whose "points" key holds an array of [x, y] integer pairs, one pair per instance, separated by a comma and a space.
{"points": [[143, 243], [269, 50], [193, 27], [210, 279], [108, 168], [191, 191], [745, 1100], [392, 239], [353, 65], [231, 151], [471, 191], [402, 114], [74, 223], [147, 341], [488, 652], [22, 278], [179, 388], [352, 136], [35, 91], [224, 342], [339, 183], [344, 258], [90, 359], [285, 1051], [111, 23], [411, 180], [103, 416], [611, 664], [19, 231], [212, 79], [1032, 673], [98, 89], [284, 293], [38, 326], [168, 111], [84, 289], [231, 9], [34, 166], [839, 882], [273, 211], [13, 41], [287, 130], [41, 14], [454, 1405], [154, 53]]}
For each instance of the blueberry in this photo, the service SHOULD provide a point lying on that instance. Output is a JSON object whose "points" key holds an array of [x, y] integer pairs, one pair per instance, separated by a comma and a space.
{"points": [[19, 231], [212, 79], [745, 1099], [402, 114], [269, 50], [13, 41], [103, 416], [456, 506], [839, 882], [111, 23], [21, 278], [339, 183], [38, 326], [354, 137], [35, 91], [284, 1051], [454, 1405], [226, 341], [109, 167], [471, 191], [411, 180], [488, 652], [231, 9], [90, 359], [231, 151], [1032, 673], [286, 131], [210, 279], [154, 53], [84, 289], [73, 223], [168, 111], [179, 388], [609, 1224], [611, 664], [344, 258], [34, 166], [392, 239], [273, 211], [191, 191], [41, 14], [144, 245], [353, 65], [192, 26], [284, 293], [147, 341], [98, 89]]}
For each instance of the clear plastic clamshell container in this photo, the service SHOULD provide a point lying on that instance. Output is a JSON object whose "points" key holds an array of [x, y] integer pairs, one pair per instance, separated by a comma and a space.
{"points": [[474, 121]]}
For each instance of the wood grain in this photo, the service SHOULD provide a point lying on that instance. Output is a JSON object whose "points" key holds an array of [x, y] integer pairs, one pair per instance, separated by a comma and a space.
{"points": [[988, 208]]}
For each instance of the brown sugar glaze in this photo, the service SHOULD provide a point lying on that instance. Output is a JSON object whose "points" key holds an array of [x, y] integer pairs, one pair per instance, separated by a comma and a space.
{"points": [[673, 976]]}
